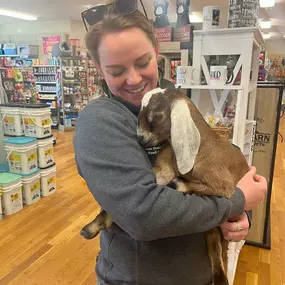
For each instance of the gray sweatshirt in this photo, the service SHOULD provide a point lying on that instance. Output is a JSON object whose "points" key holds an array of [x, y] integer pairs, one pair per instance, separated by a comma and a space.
{"points": [[158, 234]]}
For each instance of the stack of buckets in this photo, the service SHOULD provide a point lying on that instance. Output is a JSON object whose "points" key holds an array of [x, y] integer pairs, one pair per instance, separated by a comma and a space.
{"points": [[29, 147]]}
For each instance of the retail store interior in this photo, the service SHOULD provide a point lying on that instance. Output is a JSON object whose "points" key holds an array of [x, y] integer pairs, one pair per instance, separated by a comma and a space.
{"points": [[47, 78]]}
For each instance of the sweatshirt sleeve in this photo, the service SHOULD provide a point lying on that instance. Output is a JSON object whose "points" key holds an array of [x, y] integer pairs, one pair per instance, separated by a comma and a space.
{"points": [[119, 175]]}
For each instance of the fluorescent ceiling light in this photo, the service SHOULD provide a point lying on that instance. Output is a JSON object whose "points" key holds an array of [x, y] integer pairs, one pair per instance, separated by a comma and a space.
{"points": [[18, 15], [265, 24], [266, 36], [267, 3], [195, 18]]}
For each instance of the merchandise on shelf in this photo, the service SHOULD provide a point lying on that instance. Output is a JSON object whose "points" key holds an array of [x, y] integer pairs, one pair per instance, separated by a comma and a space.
{"points": [[73, 94], [174, 64], [19, 84]]}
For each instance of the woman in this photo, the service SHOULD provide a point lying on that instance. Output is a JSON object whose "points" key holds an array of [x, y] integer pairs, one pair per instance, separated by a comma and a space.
{"points": [[158, 234]]}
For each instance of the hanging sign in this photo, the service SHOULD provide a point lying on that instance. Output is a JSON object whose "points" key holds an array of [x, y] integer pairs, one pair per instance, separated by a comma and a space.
{"points": [[48, 43]]}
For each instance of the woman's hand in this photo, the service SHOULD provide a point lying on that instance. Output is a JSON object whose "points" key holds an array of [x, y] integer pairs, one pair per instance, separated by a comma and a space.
{"points": [[236, 229], [254, 188]]}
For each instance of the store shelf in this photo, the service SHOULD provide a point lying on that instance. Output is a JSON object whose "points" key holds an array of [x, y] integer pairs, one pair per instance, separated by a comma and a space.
{"points": [[37, 82], [44, 66], [44, 73], [9, 55], [42, 92], [47, 97], [209, 87]]}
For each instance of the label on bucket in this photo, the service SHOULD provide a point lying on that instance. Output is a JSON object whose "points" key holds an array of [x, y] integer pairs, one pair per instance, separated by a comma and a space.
{"points": [[15, 163], [51, 184], [16, 201], [30, 127], [9, 125], [35, 190], [32, 161], [9, 120], [49, 155], [46, 122]]}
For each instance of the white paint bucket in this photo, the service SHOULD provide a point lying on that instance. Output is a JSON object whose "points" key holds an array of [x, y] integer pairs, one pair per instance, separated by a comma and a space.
{"points": [[21, 154], [48, 181], [12, 120], [45, 152], [11, 187], [37, 121], [31, 188]]}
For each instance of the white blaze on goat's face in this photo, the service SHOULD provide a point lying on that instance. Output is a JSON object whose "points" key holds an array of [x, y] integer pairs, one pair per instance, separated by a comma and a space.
{"points": [[144, 134], [148, 96]]}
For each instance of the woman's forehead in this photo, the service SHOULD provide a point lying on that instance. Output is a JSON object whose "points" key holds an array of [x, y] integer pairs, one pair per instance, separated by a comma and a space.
{"points": [[124, 46]]}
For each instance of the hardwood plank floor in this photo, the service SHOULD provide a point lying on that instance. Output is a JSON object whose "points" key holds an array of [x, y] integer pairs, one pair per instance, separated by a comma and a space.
{"points": [[41, 244]]}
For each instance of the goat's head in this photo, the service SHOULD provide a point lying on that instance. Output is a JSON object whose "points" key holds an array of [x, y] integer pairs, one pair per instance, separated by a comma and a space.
{"points": [[165, 116]]}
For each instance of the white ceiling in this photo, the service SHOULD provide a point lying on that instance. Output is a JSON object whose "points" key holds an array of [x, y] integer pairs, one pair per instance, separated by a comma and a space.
{"points": [[70, 10]]}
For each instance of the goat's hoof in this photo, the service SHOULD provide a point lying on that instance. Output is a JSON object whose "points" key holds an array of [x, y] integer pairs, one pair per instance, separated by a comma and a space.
{"points": [[87, 234]]}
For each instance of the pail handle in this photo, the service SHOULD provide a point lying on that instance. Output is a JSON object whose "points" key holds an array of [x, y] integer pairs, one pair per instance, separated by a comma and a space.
{"points": [[36, 123], [3, 117], [7, 157]]}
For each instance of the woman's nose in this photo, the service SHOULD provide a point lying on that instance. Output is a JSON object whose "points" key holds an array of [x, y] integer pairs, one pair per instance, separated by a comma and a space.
{"points": [[134, 77]]}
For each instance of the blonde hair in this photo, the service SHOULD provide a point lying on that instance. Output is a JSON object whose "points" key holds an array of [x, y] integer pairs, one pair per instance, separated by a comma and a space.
{"points": [[114, 22]]}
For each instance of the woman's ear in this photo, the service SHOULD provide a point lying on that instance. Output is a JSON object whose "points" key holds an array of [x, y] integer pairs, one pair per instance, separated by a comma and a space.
{"points": [[185, 136]]}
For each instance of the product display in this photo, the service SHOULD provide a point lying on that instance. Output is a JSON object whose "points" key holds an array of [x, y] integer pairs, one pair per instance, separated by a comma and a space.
{"points": [[74, 94], [48, 86], [30, 172]]}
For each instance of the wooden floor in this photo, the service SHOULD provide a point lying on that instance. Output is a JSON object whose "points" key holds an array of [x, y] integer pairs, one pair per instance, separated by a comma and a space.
{"points": [[41, 244]]}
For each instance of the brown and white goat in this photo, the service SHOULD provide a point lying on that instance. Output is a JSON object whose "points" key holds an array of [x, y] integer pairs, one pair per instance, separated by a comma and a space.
{"points": [[192, 155]]}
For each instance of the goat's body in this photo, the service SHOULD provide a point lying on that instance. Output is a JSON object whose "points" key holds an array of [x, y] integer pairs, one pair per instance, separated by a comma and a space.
{"points": [[207, 178]]}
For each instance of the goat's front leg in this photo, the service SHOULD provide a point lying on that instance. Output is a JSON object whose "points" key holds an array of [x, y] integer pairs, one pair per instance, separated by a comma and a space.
{"points": [[201, 189], [164, 168]]}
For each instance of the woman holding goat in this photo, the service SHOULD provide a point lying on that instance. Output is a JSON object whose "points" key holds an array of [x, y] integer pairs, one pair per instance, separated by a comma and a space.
{"points": [[158, 234]]}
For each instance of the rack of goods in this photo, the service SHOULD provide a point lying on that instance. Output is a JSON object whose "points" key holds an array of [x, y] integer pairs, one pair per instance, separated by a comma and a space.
{"points": [[46, 77], [94, 81], [19, 84], [74, 94]]}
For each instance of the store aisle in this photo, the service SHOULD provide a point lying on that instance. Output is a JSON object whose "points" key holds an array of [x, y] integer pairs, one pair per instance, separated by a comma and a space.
{"points": [[41, 244]]}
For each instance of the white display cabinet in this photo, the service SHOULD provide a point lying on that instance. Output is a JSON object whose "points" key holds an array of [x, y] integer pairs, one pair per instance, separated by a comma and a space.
{"points": [[244, 43]]}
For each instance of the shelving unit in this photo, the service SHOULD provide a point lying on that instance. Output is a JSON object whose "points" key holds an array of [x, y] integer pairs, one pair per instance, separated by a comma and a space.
{"points": [[172, 51], [46, 84], [244, 43], [73, 90], [19, 84]]}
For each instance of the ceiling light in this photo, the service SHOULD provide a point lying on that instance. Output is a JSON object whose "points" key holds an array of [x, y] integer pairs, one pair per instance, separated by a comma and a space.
{"points": [[195, 18], [266, 36], [19, 15], [267, 3], [265, 24]]}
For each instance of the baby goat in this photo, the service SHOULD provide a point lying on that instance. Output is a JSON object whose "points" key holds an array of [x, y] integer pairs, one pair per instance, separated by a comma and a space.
{"points": [[193, 156]]}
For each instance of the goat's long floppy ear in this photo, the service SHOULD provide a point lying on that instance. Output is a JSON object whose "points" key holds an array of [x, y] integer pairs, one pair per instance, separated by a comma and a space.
{"points": [[185, 137]]}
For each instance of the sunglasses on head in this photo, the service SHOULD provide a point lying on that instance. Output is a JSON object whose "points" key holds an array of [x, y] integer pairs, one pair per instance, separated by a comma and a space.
{"points": [[96, 13]]}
